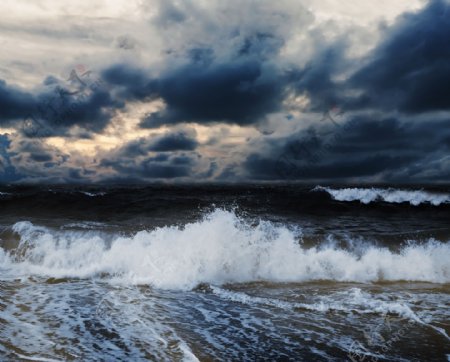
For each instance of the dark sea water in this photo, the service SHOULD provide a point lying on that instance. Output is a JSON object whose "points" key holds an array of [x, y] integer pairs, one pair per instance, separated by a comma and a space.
{"points": [[224, 273]]}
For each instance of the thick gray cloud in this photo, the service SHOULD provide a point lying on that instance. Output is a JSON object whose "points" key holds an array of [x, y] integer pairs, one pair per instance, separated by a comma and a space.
{"points": [[148, 169], [57, 106], [223, 62], [407, 71], [32, 161], [240, 93], [14, 103], [164, 156], [410, 70], [158, 167], [367, 148], [174, 142], [8, 172], [183, 140], [241, 89]]}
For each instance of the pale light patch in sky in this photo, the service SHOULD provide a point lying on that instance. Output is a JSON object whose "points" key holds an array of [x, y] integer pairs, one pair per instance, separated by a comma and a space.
{"points": [[359, 12], [44, 38], [123, 128], [5, 130], [54, 8]]}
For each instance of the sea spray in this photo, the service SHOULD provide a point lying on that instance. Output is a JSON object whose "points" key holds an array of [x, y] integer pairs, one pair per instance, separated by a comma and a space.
{"points": [[221, 248]]}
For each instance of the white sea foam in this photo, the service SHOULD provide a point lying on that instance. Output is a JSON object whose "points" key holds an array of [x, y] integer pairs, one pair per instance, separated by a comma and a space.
{"points": [[368, 195], [348, 301], [93, 194], [352, 300], [219, 249]]}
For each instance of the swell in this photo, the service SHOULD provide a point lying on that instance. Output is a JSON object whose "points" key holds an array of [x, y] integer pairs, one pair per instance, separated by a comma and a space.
{"points": [[220, 248]]}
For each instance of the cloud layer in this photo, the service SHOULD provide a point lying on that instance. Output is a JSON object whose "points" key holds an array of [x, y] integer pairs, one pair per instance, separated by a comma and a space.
{"points": [[209, 91]]}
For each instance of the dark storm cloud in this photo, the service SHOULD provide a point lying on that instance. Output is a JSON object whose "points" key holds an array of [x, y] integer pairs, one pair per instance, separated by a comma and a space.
{"points": [[130, 82], [235, 93], [55, 108], [410, 70], [168, 142], [31, 160], [32, 150], [182, 160], [316, 78], [262, 168], [8, 172], [367, 147], [241, 87], [174, 142], [41, 157], [164, 156], [240, 92], [60, 110], [14, 103], [157, 167]]}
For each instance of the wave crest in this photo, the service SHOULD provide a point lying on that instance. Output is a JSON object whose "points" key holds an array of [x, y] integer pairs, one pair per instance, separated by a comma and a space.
{"points": [[368, 195], [221, 248]]}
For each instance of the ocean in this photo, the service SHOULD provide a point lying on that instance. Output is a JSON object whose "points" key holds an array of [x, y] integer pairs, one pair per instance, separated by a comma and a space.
{"points": [[224, 273]]}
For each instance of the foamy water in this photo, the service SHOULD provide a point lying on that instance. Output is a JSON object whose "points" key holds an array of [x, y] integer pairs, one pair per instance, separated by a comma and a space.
{"points": [[368, 195], [219, 249]]}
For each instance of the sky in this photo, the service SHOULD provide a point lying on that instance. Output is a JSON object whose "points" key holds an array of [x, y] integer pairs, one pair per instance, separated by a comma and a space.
{"points": [[137, 91]]}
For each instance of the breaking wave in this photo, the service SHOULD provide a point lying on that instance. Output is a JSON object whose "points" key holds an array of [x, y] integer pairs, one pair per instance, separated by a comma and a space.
{"points": [[368, 195], [221, 248]]}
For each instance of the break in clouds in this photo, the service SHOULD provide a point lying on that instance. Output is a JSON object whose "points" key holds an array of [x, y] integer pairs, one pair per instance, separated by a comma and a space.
{"points": [[230, 91]]}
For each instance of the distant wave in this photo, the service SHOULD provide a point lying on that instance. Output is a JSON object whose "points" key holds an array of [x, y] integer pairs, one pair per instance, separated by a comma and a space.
{"points": [[93, 194], [368, 195], [219, 249]]}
